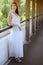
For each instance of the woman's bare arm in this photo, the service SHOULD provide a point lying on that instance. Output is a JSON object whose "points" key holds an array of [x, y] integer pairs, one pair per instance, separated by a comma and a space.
{"points": [[10, 21]]}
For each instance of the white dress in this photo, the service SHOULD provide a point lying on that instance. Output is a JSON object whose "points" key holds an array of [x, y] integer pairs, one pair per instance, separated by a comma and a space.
{"points": [[16, 40]]}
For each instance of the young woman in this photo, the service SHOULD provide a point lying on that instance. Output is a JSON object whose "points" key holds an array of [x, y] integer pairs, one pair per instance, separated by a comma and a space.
{"points": [[16, 40]]}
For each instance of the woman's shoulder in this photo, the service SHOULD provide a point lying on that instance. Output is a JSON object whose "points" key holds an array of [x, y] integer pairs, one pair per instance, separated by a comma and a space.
{"points": [[10, 13]]}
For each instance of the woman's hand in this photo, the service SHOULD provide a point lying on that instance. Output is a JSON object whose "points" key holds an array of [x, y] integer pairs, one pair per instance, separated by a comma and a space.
{"points": [[19, 27]]}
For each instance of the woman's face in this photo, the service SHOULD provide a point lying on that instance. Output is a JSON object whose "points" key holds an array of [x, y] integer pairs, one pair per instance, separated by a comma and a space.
{"points": [[13, 7]]}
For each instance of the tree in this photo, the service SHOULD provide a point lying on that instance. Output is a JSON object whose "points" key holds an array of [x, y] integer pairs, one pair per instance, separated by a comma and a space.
{"points": [[4, 10]]}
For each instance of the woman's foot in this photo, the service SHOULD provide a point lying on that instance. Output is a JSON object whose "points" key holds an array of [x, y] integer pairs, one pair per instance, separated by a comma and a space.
{"points": [[18, 60]]}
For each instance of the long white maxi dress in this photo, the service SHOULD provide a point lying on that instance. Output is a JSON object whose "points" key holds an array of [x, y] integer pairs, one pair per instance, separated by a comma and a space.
{"points": [[16, 39]]}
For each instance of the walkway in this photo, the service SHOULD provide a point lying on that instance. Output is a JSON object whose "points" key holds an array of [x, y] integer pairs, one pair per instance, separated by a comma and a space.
{"points": [[33, 52]]}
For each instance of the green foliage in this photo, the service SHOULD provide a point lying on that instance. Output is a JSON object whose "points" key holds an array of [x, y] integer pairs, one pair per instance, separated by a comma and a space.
{"points": [[5, 10], [5, 1], [23, 9]]}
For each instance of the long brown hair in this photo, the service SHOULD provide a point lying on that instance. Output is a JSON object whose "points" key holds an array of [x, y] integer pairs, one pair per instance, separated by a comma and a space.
{"points": [[17, 12]]}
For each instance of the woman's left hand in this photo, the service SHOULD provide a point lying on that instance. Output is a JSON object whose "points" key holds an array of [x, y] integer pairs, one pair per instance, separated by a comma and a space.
{"points": [[19, 27]]}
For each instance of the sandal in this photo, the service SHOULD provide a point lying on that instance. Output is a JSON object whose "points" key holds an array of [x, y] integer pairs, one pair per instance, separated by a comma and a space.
{"points": [[18, 60]]}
